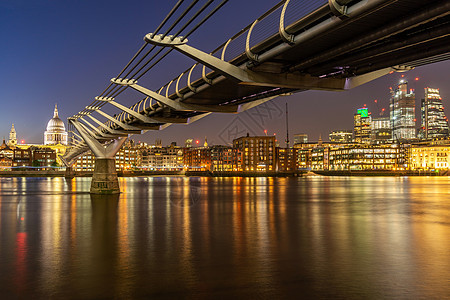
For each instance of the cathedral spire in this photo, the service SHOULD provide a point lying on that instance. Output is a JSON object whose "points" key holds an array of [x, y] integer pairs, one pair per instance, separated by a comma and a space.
{"points": [[12, 137], [55, 114]]}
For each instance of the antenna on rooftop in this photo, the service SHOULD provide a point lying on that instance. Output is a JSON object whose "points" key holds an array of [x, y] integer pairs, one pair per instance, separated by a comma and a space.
{"points": [[287, 126]]}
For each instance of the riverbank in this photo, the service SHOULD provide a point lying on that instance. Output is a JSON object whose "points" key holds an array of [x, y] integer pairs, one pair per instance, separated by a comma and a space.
{"points": [[382, 173], [58, 173]]}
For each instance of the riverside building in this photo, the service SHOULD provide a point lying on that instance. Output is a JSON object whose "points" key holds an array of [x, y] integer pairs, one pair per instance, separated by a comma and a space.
{"points": [[358, 157], [254, 154]]}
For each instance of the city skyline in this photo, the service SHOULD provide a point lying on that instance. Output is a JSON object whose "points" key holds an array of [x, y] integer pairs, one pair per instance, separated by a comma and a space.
{"points": [[73, 62], [214, 138]]}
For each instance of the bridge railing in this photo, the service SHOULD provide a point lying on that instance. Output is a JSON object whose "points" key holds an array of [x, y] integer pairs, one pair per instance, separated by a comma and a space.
{"points": [[246, 44], [285, 18]]}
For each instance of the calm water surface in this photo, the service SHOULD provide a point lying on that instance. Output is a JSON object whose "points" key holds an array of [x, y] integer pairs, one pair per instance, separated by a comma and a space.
{"points": [[246, 238]]}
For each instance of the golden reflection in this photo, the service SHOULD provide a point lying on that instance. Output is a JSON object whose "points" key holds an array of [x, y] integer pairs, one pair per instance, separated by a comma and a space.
{"points": [[123, 227], [52, 235], [73, 211]]}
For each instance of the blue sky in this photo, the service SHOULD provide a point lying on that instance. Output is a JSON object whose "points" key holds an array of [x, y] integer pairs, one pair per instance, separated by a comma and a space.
{"points": [[65, 52]]}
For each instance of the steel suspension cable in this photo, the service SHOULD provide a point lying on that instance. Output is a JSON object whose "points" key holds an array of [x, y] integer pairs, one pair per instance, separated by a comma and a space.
{"points": [[167, 17], [178, 20], [205, 6]]}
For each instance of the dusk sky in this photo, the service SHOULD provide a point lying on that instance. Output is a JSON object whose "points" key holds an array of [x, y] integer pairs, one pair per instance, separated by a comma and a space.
{"points": [[65, 52]]}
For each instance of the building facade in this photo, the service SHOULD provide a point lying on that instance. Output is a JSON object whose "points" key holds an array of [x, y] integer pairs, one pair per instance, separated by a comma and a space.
{"points": [[434, 122], [341, 136], [429, 157], [362, 126], [381, 131], [254, 154], [402, 112], [160, 158], [300, 138]]}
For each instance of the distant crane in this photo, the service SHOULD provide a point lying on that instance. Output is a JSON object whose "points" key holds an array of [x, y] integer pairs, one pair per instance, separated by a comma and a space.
{"points": [[378, 108], [287, 127]]}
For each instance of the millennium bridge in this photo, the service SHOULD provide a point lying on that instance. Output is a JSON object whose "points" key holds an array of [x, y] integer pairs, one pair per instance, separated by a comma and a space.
{"points": [[297, 45]]}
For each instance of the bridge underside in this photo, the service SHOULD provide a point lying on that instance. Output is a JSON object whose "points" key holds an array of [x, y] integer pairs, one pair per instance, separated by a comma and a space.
{"points": [[404, 33], [340, 45]]}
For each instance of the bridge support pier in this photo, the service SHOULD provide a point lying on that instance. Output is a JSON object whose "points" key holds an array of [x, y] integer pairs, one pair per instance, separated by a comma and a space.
{"points": [[104, 179], [69, 173]]}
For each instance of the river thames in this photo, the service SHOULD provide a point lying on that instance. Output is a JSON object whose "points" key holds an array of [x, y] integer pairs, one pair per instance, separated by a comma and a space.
{"points": [[246, 238]]}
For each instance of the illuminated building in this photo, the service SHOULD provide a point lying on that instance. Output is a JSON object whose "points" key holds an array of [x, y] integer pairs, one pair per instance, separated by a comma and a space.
{"points": [[402, 115], [434, 122], [221, 158], [362, 126], [381, 131], [56, 131], [12, 137], [43, 156], [197, 159], [429, 157], [126, 159], [188, 143], [302, 157], [22, 157], [85, 162], [160, 158], [319, 158], [6, 156], [286, 159], [300, 138], [255, 153], [358, 157], [341, 136]]}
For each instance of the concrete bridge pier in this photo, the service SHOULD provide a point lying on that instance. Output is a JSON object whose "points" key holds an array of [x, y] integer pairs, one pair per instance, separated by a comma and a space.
{"points": [[104, 178], [70, 173]]}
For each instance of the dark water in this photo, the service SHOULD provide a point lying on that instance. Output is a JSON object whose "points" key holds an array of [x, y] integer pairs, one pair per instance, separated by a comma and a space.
{"points": [[246, 238]]}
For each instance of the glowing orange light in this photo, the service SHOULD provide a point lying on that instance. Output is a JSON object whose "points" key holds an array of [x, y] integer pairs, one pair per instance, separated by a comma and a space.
{"points": [[382, 109], [22, 141], [415, 120], [417, 78], [403, 75], [376, 101], [197, 141], [22, 218]]}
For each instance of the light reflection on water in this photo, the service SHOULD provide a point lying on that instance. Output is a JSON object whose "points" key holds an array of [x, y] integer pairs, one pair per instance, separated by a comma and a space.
{"points": [[220, 237]]}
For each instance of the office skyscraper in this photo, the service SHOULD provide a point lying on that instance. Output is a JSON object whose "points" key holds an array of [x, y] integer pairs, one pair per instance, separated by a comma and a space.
{"points": [[402, 116], [434, 121], [362, 125]]}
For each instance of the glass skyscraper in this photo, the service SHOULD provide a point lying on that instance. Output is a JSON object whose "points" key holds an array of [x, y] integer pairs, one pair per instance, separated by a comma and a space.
{"points": [[361, 125], [402, 114], [434, 122]]}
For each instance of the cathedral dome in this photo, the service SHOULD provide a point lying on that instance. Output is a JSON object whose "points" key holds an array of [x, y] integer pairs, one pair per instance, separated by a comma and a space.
{"points": [[55, 124], [56, 131]]}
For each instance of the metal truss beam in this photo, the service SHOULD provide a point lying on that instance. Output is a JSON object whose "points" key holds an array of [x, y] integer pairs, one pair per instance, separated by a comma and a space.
{"points": [[99, 150], [117, 122], [244, 76], [175, 104], [114, 131]]}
